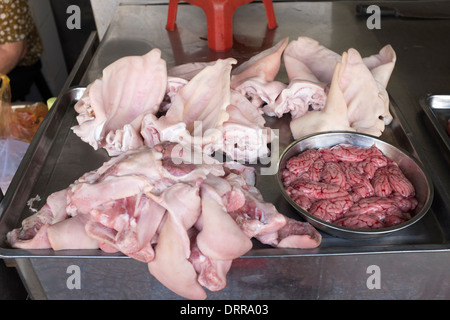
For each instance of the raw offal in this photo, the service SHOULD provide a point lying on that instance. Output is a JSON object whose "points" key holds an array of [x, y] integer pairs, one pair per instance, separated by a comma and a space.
{"points": [[111, 109], [188, 104], [203, 105], [255, 78], [357, 101], [350, 186], [187, 221]]}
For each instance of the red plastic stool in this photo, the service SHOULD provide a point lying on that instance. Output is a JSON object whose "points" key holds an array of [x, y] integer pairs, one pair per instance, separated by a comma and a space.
{"points": [[219, 19]]}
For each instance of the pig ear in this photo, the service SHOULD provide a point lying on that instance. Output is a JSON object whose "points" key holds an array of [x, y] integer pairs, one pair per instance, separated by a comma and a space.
{"points": [[382, 64], [335, 101], [317, 59], [265, 65]]}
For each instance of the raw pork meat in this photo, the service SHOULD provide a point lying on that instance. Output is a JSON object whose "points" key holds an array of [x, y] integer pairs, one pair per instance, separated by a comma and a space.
{"points": [[361, 221], [332, 209], [261, 220], [318, 190], [174, 84], [260, 92], [316, 62], [111, 109], [263, 66], [309, 58], [211, 273], [188, 70], [304, 91], [366, 103], [61, 235], [296, 234], [255, 78], [207, 115], [188, 221], [203, 100], [360, 93], [299, 97], [170, 264], [334, 115], [220, 238], [33, 233], [147, 202], [189, 104], [244, 135], [391, 179], [353, 187]]}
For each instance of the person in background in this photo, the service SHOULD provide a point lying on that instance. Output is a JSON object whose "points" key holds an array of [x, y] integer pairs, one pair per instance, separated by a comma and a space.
{"points": [[20, 49]]}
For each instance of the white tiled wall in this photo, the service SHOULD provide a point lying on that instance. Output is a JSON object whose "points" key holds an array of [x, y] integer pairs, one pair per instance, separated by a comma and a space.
{"points": [[53, 64]]}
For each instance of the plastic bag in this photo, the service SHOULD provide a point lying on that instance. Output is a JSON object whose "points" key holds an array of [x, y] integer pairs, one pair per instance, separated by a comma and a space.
{"points": [[11, 149], [25, 120], [19, 121], [18, 125], [11, 154]]}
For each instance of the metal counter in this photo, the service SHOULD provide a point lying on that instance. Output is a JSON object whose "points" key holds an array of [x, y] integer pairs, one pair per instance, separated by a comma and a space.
{"points": [[343, 268]]}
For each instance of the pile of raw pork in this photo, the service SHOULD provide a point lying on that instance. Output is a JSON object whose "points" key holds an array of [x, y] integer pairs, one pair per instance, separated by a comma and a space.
{"points": [[212, 107], [162, 198], [186, 221], [350, 186]]}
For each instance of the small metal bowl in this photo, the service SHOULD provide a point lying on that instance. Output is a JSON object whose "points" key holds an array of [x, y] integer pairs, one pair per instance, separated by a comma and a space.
{"points": [[411, 168]]}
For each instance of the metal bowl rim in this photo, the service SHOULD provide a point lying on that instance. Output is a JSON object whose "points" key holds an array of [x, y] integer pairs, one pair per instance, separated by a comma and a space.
{"points": [[365, 232]]}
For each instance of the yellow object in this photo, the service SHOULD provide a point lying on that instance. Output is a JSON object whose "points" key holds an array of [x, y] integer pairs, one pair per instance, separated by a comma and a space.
{"points": [[5, 106], [50, 102]]}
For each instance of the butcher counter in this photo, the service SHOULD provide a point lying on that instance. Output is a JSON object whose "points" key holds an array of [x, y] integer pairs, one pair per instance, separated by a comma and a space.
{"points": [[412, 264]]}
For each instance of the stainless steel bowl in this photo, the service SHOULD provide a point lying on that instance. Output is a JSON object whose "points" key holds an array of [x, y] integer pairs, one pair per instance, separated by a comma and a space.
{"points": [[411, 168]]}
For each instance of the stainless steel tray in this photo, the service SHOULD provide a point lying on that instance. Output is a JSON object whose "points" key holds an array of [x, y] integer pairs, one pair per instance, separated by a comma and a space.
{"points": [[437, 110], [57, 157], [54, 159]]}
